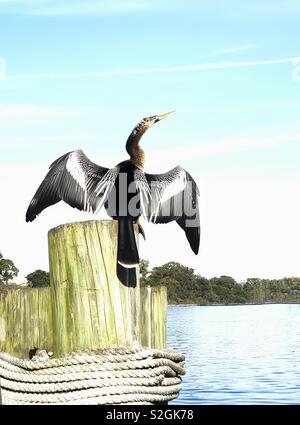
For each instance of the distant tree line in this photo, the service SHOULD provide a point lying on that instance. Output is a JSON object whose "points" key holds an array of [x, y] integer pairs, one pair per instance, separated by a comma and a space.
{"points": [[8, 271], [186, 287]]}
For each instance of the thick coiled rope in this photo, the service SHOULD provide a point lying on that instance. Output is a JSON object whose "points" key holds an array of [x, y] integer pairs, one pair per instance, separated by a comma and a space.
{"points": [[110, 376]]}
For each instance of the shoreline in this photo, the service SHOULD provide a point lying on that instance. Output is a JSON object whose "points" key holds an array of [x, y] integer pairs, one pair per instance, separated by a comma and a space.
{"points": [[234, 304]]}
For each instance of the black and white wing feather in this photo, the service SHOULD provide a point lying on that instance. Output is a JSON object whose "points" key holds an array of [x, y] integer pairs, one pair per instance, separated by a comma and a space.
{"points": [[172, 196], [74, 179]]}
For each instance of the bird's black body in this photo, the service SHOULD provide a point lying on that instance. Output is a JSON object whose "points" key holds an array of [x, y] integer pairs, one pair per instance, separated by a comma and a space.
{"points": [[117, 206], [126, 192]]}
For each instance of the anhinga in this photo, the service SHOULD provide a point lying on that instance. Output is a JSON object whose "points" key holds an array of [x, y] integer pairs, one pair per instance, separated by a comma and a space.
{"points": [[127, 192]]}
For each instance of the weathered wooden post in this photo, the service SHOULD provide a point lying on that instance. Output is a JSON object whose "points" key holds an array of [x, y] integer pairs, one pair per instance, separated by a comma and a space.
{"points": [[86, 306], [25, 320], [86, 309], [91, 307], [154, 317]]}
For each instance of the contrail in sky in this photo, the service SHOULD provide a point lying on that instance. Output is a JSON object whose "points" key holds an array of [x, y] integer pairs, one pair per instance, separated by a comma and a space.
{"points": [[160, 70]]}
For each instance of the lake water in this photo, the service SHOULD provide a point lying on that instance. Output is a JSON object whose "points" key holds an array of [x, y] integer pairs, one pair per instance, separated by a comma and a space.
{"points": [[238, 354]]}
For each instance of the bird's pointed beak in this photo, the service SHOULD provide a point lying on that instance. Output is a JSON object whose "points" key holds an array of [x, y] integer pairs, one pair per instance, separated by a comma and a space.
{"points": [[161, 117]]}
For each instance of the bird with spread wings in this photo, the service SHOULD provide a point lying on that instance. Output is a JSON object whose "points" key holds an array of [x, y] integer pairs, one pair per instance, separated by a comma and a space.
{"points": [[126, 192]]}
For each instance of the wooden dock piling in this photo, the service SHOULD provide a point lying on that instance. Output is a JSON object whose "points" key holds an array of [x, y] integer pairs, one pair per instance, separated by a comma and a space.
{"points": [[86, 306], [91, 308]]}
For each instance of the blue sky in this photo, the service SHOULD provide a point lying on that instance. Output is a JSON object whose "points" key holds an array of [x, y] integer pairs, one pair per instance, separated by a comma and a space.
{"points": [[81, 74]]}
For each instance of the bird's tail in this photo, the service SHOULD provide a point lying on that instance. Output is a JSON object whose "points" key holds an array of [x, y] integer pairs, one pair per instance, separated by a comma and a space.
{"points": [[127, 254], [127, 276]]}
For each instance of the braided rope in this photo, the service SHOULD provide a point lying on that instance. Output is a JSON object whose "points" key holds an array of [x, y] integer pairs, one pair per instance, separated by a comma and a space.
{"points": [[110, 376]]}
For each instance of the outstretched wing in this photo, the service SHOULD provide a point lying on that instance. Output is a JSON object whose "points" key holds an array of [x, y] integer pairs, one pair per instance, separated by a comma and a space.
{"points": [[73, 178], [172, 196]]}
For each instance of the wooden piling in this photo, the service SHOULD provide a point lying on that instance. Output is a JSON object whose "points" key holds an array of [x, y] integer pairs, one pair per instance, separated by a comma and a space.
{"points": [[86, 306], [91, 308], [154, 317], [25, 320]]}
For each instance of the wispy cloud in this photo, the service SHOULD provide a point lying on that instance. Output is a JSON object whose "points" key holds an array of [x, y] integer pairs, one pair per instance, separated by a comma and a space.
{"points": [[234, 49], [18, 116], [89, 8], [72, 7], [30, 141], [16, 2], [56, 8], [158, 70], [217, 148]]}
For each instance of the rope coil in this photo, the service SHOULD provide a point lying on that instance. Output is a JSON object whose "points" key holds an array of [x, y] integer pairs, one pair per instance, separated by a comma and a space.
{"points": [[110, 376]]}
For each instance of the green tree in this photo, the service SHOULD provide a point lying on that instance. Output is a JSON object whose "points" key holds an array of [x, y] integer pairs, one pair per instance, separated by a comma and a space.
{"points": [[186, 287], [38, 279], [180, 281], [144, 272], [7, 270]]}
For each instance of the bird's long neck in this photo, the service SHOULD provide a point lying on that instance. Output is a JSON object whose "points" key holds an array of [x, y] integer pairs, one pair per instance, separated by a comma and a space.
{"points": [[133, 148]]}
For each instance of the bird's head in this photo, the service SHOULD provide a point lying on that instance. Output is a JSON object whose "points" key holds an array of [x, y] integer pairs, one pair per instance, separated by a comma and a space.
{"points": [[148, 122], [132, 145], [155, 118]]}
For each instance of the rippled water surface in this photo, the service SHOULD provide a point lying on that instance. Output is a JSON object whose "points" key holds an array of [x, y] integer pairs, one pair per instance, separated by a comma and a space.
{"points": [[238, 354]]}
